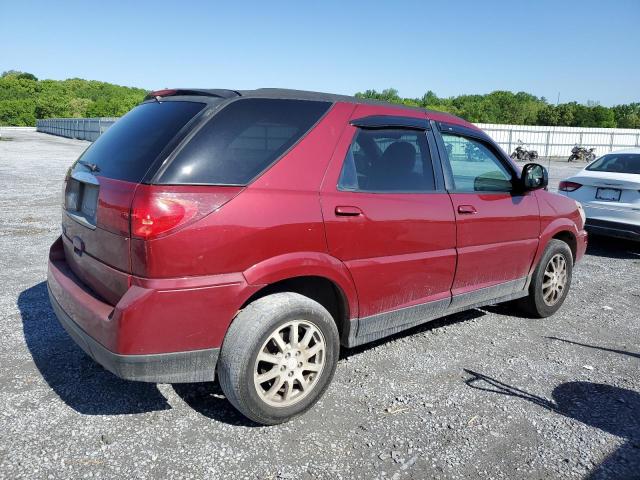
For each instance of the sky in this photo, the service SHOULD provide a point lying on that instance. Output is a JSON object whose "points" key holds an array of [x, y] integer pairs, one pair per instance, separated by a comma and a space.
{"points": [[583, 50]]}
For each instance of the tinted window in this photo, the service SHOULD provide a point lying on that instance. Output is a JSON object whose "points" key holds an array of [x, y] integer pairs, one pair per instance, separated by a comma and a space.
{"points": [[386, 161], [242, 140], [617, 162], [130, 146], [475, 167]]}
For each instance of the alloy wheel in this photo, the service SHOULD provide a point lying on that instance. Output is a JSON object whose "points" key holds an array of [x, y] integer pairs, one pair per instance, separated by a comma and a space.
{"points": [[289, 363], [554, 281]]}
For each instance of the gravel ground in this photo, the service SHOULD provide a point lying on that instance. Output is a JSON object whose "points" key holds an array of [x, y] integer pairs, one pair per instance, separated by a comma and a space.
{"points": [[477, 394]]}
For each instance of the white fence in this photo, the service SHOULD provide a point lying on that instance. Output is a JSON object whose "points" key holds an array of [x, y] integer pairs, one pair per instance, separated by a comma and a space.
{"points": [[548, 141], [80, 128], [558, 141]]}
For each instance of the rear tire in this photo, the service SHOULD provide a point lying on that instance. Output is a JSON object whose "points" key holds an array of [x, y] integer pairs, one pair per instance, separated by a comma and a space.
{"points": [[278, 357], [550, 282]]}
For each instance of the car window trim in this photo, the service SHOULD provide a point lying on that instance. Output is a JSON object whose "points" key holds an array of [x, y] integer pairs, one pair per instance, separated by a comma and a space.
{"points": [[477, 135], [439, 184]]}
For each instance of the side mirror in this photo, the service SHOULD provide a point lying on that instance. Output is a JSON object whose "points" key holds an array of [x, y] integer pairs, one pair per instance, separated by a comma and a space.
{"points": [[534, 176]]}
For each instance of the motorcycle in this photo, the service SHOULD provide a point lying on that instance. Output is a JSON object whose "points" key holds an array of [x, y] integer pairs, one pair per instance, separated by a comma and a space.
{"points": [[522, 154], [581, 153]]}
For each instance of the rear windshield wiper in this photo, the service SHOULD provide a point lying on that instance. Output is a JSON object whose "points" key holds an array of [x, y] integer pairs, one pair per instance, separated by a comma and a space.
{"points": [[91, 166]]}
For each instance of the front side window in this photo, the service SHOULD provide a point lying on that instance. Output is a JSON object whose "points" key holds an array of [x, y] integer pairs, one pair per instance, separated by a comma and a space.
{"points": [[475, 168], [388, 160], [242, 141]]}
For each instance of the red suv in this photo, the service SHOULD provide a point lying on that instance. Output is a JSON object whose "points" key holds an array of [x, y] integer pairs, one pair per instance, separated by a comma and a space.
{"points": [[251, 233]]}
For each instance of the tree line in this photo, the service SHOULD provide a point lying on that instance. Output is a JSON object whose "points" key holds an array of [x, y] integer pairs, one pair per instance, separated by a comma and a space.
{"points": [[519, 109], [24, 98]]}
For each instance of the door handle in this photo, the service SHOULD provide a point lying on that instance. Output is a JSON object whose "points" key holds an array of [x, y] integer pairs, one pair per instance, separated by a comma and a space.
{"points": [[347, 211], [466, 209]]}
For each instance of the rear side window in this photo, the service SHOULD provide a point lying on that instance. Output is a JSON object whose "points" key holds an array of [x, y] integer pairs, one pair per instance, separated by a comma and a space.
{"points": [[617, 163], [388, 160], [242, 141], [130, 146]]}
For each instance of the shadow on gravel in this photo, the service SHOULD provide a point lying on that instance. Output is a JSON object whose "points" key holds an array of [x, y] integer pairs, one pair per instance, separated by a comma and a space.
{"points": [[609, 247], [611, 409], [432, 325], [79, 381], [208, 400], [612, 350]]}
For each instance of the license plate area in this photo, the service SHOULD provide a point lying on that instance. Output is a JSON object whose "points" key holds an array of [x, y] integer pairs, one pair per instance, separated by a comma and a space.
{"points": [[608, 194], [81, 201]]}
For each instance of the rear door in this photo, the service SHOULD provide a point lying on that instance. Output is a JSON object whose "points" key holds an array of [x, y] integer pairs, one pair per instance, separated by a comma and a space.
{"points": [[388, 218], [497, 225]]}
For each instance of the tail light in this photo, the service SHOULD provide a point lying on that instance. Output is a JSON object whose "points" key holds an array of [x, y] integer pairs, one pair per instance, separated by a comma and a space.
{"points": [[160, 210], [566, 186]]}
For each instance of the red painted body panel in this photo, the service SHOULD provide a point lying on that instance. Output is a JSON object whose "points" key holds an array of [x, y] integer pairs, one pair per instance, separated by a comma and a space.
{"points": [[107, 282], [498, 242], [153, 316], [299, 264], [559, 214], [114, 202]]}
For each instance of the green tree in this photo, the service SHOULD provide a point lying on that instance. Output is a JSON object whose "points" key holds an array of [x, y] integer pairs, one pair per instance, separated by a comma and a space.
{"points": [[519, 108], [23, 98]]}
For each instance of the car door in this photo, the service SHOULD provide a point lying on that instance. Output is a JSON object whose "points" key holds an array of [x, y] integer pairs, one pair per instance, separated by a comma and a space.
{"points": [[498, 225], [389, 219]]}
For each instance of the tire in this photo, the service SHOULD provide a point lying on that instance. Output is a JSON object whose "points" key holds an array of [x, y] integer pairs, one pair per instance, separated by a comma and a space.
{"points": [[253, 332], [536, 304]]}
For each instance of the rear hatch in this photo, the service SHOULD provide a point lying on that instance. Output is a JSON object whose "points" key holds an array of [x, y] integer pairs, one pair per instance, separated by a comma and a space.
{"points": [[99, 190]]}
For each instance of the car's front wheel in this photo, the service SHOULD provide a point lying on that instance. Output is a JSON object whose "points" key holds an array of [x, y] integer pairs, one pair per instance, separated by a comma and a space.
{"points": [[550, 282], [278, 357]]}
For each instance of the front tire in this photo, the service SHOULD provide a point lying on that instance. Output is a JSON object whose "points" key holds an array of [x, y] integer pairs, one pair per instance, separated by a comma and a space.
{"points": [[550, 282], [278, 357]]}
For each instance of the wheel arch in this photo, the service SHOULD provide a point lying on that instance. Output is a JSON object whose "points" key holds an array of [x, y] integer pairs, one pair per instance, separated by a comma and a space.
{"points": [[561, 229], [570, 239], [318, 276]]}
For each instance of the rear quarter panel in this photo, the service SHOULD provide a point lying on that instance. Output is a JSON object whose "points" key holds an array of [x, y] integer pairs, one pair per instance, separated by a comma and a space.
{"points": [[278, 214]]}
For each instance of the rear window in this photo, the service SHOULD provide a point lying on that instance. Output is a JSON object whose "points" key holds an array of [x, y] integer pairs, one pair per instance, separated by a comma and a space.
{"points": [[242, 141], [128, 149], [617, 163]]}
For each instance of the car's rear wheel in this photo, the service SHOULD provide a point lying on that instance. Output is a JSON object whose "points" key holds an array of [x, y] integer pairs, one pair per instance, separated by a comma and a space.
{"points": [[278, 357], [550, 282]]}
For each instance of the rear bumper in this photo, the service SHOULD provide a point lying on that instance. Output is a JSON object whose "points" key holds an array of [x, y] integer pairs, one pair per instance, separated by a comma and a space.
{"points": [[174, 367], [609, 228], [160, 330]]}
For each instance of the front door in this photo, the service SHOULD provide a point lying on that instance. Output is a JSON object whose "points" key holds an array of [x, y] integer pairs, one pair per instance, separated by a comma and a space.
{"points": [[497, 225]]}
